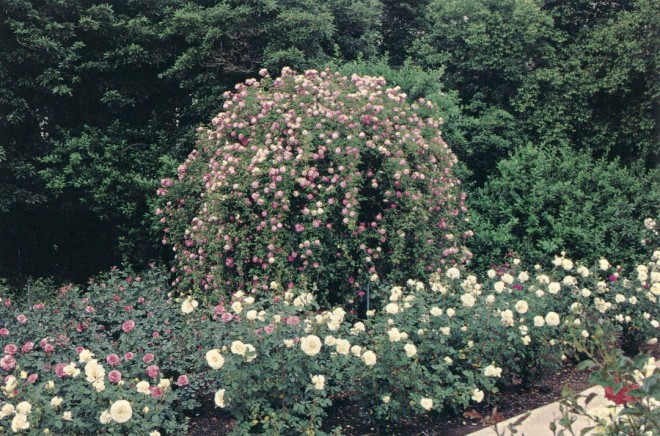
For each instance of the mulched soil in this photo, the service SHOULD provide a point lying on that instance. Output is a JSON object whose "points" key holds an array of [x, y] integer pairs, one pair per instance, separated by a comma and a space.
{"points": [[349, 416]]}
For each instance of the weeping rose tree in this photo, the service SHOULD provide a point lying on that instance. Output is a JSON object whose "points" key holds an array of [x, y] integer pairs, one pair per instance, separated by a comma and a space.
{"points": [[314, 181]]}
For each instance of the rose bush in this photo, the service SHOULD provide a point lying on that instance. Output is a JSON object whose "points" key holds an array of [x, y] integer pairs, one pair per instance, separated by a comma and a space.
{"points": [[125, 356], [318, 181]]}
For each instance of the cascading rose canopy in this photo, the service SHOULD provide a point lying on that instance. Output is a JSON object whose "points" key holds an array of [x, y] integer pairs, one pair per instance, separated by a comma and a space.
{"points": [[315, 181]]}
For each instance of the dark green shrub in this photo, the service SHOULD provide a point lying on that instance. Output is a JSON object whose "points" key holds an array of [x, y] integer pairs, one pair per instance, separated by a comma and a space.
{"points": [[544, 201]]}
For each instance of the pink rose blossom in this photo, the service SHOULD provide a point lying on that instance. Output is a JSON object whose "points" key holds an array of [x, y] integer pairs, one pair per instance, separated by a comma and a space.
{"points": [[21, 319], [27, 347], [148, 358], [32, 378], [114, 376], [128, 356], [7, 363], [128, 326], [112, 359], [226, 317], [89, 309], [4, 332], [79, 349], [59, 370], [155, 391], [10, 349], [49, 348], [152, 371], [182, 380], [8, 302]]}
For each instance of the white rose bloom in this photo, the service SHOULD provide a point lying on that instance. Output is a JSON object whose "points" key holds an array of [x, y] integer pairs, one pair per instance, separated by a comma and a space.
{"points": [[499, 287], [451, 312], [343, 347], [358, 328], [7, 409], [251, 315], [492, 371], [386, 399], [426, 403], [655, 289], [507, 278], [369, 358], [567, 264], [238, 347], [468, 300], [620, 298], [539, 321], [453, 273], [448, 360], [478, 395], [20, 422], [250, 353], [507, 318], [569, 281], [554, 288], [586, 293], [105, 417], [85, 356], [491, 274], [248, 300], [318, 381], [490, 299], [24, 407], [56, 401], [557, 261], [410, 350], [94, 371], [121, 411], [189, 305], [539, 293], [604, 265], [655, 323], [392, 308], [289, 343], [356, 350], [220, 398], [143, 387], [526, 340], [583, 271], [552, 319], [445, 330], [311, 345], [436, 311], [523, 277], [215, 359], [394, 335], [632, 300], [522, 306], [395, 293], [330, 341], [237, 307], [543, 279], [67, 416]]}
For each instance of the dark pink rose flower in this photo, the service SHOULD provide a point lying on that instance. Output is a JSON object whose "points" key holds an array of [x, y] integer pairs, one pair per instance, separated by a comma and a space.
{"points": [[4, 332], [7, 362], [155, 391], [33, 378], [27, 347], [11, 349], [128, 356], [148, 358]]}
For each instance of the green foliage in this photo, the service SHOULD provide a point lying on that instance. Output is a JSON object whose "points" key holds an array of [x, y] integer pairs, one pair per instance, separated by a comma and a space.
{"points": [[545, 200]]}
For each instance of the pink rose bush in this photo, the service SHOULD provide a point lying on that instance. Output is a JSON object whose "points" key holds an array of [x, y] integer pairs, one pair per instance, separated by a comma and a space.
{"points": [[316, 180]]}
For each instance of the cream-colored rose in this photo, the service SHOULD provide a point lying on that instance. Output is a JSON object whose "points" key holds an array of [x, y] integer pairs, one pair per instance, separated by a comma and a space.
{"points": [[410, 350], [105, 417], [237, 307], [220, 398], [121, 411], [522, 307], [453, 273], [189, 305], [85, 356], [311, 345], [426, 403], [552, 319], [343, 346], [56, 401], [492, 371], [214, 359], [369, 358], [436, 311], [24, 407], [478, 395], [392, 308], [468, 300], [238, 347], [252, 315], [20, 422], [318, 381], [250, 353], [539, 321], [143, 387], [67, 416]]}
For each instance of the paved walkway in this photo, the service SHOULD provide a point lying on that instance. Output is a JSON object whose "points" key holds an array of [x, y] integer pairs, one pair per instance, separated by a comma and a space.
{"points": [[538, 423]]}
